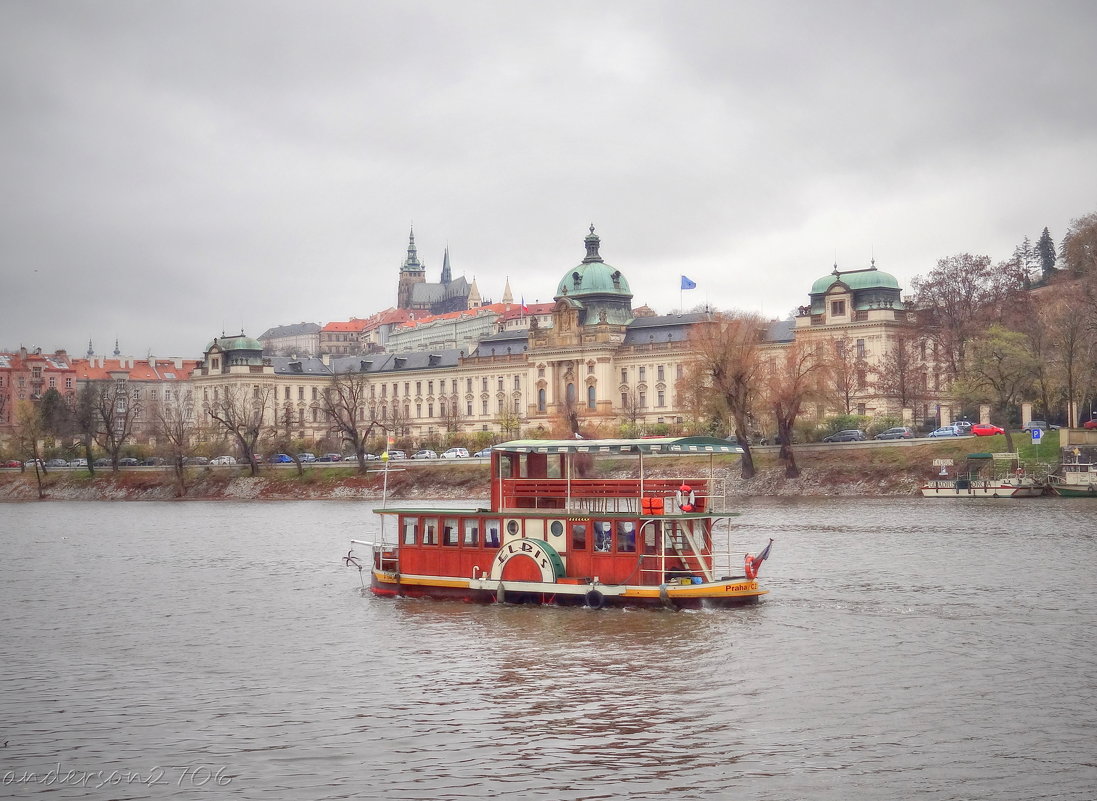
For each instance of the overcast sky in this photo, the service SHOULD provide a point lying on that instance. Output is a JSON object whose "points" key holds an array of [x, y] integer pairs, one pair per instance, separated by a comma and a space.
{"points": [[175, 169]]}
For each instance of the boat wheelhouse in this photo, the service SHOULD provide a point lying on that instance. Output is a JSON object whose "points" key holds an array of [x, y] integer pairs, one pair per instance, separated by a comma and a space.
{"points": [[615, 522], [1008, 479]]}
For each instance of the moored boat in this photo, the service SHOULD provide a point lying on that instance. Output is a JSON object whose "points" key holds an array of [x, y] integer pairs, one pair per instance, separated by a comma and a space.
{"points": [[1010, 479], [557, 532], [1075, 480]]}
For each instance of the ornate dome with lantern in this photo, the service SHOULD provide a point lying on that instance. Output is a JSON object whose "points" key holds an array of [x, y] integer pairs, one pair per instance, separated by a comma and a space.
{"points": [[599, 290]]}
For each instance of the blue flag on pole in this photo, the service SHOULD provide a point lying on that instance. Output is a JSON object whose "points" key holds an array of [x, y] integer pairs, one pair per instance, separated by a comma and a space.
{"points": [[687, 284]]}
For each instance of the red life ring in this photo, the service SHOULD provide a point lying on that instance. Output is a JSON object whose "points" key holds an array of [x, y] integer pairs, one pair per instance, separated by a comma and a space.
{"points": [[748, 566], [685, 498]]}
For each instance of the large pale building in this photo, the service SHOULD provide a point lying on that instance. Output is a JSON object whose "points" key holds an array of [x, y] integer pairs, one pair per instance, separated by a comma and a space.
{"points": [[587, 354]]}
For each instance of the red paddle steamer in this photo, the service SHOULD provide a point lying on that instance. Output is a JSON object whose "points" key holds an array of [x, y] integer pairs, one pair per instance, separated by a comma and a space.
{"points": [[557, 532]]}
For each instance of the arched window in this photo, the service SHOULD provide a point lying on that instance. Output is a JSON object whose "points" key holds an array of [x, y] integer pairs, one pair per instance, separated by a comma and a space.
{"points": [[541, 399], [571, 393], [591, 397]]}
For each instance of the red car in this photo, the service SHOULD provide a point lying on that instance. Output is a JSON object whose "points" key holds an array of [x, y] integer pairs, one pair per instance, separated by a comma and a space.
{"points": [[986, 430], [1090, 423]]}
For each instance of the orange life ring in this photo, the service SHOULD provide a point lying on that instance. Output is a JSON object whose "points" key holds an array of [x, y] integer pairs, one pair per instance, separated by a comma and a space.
{"points": [[748, 566]]}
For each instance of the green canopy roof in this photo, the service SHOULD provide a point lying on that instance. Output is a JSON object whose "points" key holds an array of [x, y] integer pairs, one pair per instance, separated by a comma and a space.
{"points": [[671, 445]]}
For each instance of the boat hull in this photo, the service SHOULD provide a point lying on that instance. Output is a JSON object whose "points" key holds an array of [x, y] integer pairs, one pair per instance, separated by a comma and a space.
{"points": [[982, 489], [1075, 490], [731, 592]]}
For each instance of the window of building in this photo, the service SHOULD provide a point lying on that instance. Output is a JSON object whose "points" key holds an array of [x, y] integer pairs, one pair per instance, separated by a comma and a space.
{"points": [[837, 308], [659, 373], [624, 375], [53, 382], [590, 368], [860, 349], [679, 371], [300, 416], [300, 393], [407, 388], [541, 399], [418, 387], [468, 408], [430, 410], [517, 406], [860, 408], [468, 385], [517, 384], [592, 402], [500, 387], [484, 406], [660, 399], [484, 384], [418, 410], [540, 371], [430, 387], [624, 400], [643, 374]]}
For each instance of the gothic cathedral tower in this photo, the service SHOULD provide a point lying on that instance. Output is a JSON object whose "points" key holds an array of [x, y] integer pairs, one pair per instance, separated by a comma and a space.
{"points": [[411, 273]]}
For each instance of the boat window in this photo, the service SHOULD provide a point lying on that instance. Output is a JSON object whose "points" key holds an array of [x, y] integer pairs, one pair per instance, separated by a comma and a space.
{"points": [[449, 531], [411, 530], [430, 531], [491, 533], [626, 536], [512, 527], [602, 534], [578, 536], [472, 532]]}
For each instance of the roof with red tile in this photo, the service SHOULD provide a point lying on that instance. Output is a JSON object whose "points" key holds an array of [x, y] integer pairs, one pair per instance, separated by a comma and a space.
{"points": [[99, 369]]}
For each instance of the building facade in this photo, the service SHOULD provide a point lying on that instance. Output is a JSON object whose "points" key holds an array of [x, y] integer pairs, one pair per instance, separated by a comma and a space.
{"points": [[586, 355]]}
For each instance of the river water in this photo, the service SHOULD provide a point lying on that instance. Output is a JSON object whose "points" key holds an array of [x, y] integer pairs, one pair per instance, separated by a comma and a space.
{"points": [[909, 649]]}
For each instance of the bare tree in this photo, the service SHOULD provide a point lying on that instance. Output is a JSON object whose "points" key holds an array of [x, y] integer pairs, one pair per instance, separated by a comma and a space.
{"points": [[960, 297], [1079, 246], [173, 422], [116, 412], [797, 376], [241, 413], [344, 403], [452, 416], [28, 424], [999, 371], [85, 419], [899, 375], [848, 373], [727, 351]]}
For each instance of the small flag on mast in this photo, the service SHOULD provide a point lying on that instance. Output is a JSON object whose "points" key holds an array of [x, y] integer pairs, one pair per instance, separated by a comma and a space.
{"points": [[525, 308], [687, 284]]}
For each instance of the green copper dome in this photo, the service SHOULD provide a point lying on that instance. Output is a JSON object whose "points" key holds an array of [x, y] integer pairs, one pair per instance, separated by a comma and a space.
{"points": [[856, 280], [240, 342], [593, 276]]}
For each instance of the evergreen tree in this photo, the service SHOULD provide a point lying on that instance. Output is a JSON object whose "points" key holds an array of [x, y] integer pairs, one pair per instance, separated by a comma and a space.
{"points": [[1045, 250], [1025, 257]]}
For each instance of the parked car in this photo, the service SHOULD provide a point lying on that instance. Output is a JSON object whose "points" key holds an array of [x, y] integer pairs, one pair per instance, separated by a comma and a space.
{"points": [[1090, 423], [152, 461], [78, 463], [1040, 424], [57, 463], [425, 454], [456, 453], [128, 461], [963, 426], [306, 457], [34, 462], [223, 460], [899, 432], [945, 431], [280, 458], [986, 430], [846, 435], [11, 463], [397, 455], [484, 453], [192, 460]]}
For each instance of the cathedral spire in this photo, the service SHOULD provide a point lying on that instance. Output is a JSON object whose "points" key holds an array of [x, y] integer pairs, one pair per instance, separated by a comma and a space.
{"points": [[446, 275], [507, 296]]}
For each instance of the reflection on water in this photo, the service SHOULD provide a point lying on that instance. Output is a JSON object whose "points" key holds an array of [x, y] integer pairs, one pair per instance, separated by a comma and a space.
{"points": [[908, 649]]}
